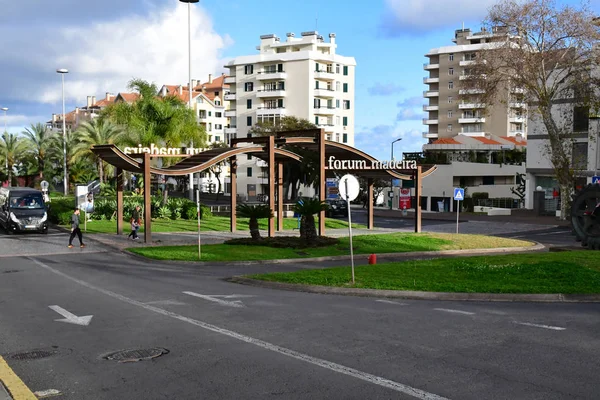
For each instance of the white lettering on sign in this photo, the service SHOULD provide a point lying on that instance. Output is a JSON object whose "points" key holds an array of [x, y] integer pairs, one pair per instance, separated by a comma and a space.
{"points": [[161, 151], [333, 163]]}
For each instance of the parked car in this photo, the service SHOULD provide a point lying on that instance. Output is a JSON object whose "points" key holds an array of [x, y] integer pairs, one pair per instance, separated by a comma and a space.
{"points": [[337, 208], [23, 209]]}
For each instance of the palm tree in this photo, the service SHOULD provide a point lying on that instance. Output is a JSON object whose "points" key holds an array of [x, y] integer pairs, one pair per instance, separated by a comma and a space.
{"points": [[307, 208], [39, 138], [254, 213], [55, 153], [95, 132], [13, 149]]}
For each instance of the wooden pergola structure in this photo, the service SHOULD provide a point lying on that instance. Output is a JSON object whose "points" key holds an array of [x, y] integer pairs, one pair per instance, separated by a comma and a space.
{"points": [[272, 149]]}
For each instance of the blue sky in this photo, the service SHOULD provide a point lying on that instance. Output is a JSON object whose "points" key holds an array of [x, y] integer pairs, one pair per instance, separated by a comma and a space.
{"points": [[104, 44]]}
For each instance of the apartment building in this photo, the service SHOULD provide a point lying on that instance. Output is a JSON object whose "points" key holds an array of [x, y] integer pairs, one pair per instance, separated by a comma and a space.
{"points": [[453, 107], [302, 77]]}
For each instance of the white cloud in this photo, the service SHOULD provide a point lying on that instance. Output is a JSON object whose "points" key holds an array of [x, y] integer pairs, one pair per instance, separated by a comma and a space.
{"points": [[418, 16], [104, 56]]}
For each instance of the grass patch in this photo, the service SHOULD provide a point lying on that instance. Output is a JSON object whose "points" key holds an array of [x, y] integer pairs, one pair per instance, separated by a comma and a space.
{"points": [[363, 244], [212, 224], [564, 272]]}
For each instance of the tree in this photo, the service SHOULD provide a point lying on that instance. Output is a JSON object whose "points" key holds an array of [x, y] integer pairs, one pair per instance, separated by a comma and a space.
{"points": [[13, 149], [254, 213], [56, 154], [95, 132], [548, 52], [294, 174], [38, 139], [307, 208], [217, 169]]}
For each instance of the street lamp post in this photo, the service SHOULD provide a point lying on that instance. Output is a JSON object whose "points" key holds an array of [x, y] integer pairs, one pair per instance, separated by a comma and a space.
{"points": [[392, 180], [5, 109], [62, 72], [189, 3]]}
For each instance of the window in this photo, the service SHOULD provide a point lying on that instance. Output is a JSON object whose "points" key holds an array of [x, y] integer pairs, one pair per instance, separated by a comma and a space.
{"points": [[345, 121], [279, 103], [249, 104], [581, 119], [346, 104], [337, 68], [316, 120], [450, 71], [316, 84], [449, 128], [217, 102], [217, 94], [210, 113], [337, 86], [488, 180], [217, 138], [345, 88], [337, 104], [317, 103], [209, 127], [279, 67], [451, 57], [249, 69], [218, 114], [579, 155], [317, 67], [218, 126], [450, 113], [345, 138], [330, 104], [249, 172], [337, 120], [249, 156], [450, 99], [249, 121], [451, 85], [345, 70], [248, 86]]}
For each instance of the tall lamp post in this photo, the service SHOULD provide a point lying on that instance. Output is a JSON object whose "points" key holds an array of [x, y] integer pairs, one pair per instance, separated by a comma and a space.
{"points": [[392, 180], [5, 109], [189, 3], [62, 72]]}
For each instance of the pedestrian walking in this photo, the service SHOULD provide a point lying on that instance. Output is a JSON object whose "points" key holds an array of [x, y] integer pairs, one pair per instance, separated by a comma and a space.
{"points": [[75, 229], [135, 223]]}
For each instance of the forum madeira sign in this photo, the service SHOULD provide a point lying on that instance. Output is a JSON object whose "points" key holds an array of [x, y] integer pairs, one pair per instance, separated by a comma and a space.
{"points": [[163, 151], [333, 163]]}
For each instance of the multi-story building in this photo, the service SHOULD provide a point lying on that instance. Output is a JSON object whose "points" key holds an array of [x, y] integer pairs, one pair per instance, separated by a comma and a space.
{"points": [[302, 77], [453, 106]]}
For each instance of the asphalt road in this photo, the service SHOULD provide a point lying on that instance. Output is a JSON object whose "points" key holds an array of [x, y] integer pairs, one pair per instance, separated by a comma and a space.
{"points": [[228, 341]]}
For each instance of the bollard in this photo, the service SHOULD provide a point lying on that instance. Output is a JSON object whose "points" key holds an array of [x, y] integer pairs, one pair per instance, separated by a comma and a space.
{"points": [[372, 259]]}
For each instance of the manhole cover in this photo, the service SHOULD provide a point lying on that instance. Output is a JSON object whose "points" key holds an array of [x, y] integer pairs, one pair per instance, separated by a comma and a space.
{"points": [[136, 354], [33, 355]]}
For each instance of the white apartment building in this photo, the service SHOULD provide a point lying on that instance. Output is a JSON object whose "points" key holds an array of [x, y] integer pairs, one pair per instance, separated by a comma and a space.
{"points": [[302, 77]]}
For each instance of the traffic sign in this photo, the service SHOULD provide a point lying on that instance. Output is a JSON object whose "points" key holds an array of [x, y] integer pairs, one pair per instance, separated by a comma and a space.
{"points": [[595, 179], [349, 187], [459, 194]]}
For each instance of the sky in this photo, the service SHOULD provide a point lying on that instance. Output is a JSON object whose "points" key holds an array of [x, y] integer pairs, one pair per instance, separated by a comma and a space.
{"points": [[106, 43]]}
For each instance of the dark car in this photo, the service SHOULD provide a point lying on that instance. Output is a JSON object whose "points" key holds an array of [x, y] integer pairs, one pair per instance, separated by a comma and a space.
{"points": [[23, 209], [337, 208]]}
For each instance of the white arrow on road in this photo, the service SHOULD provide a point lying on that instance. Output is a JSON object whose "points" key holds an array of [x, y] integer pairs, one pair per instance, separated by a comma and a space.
{"points": [[71, 318], [236, 303]]}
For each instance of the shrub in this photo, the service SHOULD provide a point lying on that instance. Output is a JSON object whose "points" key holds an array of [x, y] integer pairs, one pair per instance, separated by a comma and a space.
{"points": [[164, 213], [64, 218], [292, 242], [59, 206]]}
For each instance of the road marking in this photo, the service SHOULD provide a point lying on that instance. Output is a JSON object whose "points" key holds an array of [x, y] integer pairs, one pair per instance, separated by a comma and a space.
{"points": [[392, 302], [374, 379], [166, 303], [56, 253], [42, 394], [13, 383], [554, 328], [71, 318], [232, 296], [237, 303], [454, 311]]}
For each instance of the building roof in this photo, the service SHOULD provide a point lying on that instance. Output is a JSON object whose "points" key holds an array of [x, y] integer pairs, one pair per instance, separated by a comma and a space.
{"points": [[218, 82], [128, 97], [446, 141], [514, 140], [485, 140]]}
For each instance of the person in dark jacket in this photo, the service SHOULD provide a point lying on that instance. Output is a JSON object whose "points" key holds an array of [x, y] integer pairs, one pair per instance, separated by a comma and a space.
{"points": [[135, 223], [75, 229]]}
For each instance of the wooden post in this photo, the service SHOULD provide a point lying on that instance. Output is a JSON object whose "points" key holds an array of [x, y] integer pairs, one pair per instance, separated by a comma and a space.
{"points": [[321, 144], [280, 197], [418, 200], [147, 200], [271, 153], [233, 202], [119, 201], [370, 221]]}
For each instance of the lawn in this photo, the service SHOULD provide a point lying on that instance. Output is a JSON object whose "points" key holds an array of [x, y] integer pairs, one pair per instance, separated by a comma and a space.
{"points": [[363, 244], [214, 223], [562, 272]]}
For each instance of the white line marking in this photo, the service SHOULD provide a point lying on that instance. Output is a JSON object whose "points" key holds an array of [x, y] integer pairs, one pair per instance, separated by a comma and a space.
{"points": [[237, 303], [166, 303], [377, 380], [71, 318], [454, 311], [58, 253], [554, 328], [232, 296], [392, 302]]}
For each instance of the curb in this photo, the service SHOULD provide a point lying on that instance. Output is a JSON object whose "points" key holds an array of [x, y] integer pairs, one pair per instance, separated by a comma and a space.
{"points": [[17, 390], [415, 295]]}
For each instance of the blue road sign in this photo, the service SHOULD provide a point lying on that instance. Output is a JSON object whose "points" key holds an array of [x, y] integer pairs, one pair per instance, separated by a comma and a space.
{"points": [[595, 179], [459, 194]]}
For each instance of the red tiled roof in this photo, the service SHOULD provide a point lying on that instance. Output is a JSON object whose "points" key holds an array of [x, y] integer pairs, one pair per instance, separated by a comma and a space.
{"points": [[217, 83], [129, 97], [522, 142], [486, 140], [446, 141]]}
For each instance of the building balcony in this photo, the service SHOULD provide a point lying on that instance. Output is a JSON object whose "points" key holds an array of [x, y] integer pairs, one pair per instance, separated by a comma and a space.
{"points": [[431, 93], [327, 93], [326, 75], [517, 120], [466, 63], [229, 80], [471, 120], [327, 127], [230, 130], [430, 135], [270, 93], [468, 106], [324, 110], [516, 133], [265, 76], [229, 96], [230, 113], [270, 111], [431, 80], [517, 105], [473, 134], [471, 91], [428, 67], [431, 108], [464, 77], [427, 121]]}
